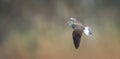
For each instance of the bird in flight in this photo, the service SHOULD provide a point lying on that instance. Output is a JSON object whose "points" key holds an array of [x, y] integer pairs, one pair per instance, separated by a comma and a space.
{"points": [[78, 29]]}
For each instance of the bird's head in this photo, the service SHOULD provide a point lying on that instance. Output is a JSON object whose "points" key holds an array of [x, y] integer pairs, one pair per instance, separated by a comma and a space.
{"points": [[73, 19], [73, 23]]}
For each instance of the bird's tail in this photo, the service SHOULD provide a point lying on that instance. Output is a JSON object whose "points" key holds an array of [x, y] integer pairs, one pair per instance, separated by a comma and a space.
{"points": [[87, 31]]}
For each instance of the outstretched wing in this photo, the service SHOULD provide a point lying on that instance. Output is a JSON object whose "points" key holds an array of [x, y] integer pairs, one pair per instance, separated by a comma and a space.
{"points": [[87, 31], [77, 33]]}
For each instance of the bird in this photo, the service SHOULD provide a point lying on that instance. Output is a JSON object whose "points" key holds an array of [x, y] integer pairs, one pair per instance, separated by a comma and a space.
{"points": [[78, 30]]}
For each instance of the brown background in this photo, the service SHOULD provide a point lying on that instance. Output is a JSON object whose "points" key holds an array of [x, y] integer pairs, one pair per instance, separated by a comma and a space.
{"points": [[36, 29]]}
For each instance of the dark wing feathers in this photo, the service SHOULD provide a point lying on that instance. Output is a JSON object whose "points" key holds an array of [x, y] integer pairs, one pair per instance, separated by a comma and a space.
{"points": [[77, 33]]}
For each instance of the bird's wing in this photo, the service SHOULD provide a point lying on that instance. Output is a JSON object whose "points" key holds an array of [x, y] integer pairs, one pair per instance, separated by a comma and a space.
{"points": [[77, 33], [87, 31]]}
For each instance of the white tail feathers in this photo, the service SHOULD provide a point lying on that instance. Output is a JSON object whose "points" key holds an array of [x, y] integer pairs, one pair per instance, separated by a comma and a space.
{"points": [[87, 31]]}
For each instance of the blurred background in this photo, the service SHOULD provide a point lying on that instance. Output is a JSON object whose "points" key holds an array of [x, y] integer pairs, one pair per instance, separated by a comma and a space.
{"points": [[36, 29]]}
